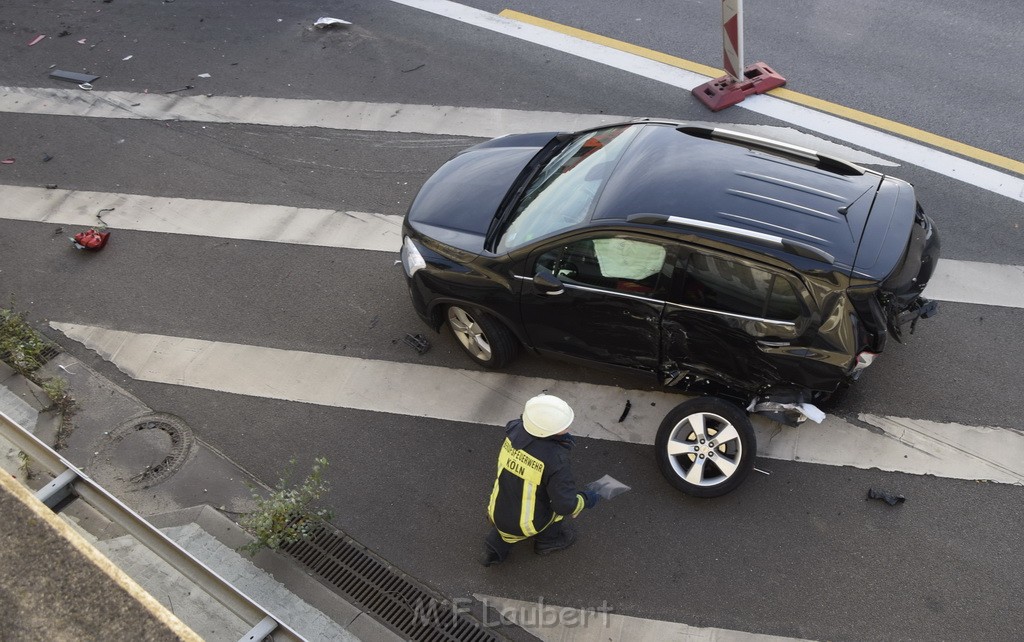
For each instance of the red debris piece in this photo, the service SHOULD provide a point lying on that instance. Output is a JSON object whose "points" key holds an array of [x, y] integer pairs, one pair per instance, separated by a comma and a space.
{"points": [[36, 39], [91, 240], [7, 161]]}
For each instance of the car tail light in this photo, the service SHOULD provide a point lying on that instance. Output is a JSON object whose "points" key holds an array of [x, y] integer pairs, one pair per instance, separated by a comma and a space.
{"points": [[864, 359], [412, 260]]}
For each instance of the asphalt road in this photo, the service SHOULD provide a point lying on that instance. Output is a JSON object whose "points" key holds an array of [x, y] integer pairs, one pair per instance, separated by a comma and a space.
{"points": [[796, 553]]}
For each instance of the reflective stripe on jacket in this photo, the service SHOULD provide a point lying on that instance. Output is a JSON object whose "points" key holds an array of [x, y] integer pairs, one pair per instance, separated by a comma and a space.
{"points": [[534, 487]]}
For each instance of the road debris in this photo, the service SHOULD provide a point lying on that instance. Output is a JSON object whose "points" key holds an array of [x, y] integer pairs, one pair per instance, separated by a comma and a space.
{"points": [[90, 239], [7, 161], [72, 76], [608, 487], [185, 88], [82, 41], [763, 472], [417, 342], [886, 497], [129, 57], [36, 39], [51, 186], [419, 66], [204, 76], [47, 158], [330, 23], [625, 411], [85, 86]]}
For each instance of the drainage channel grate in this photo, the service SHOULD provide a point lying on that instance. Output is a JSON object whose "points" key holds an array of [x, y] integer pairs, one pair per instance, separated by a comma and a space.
{"points": [[384, 593], [45, 355]]}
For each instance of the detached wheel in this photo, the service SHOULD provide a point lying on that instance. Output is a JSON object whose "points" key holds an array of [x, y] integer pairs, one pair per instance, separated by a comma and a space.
{"points": [[706, 447], [483, 338]]}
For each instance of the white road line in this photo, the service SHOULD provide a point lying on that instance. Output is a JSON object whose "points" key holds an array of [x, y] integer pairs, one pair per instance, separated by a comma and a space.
{"points": [[954, 281], [475, 122], [599, 623], [223, 219], [465, 121], [902, 445], [887, 144]]}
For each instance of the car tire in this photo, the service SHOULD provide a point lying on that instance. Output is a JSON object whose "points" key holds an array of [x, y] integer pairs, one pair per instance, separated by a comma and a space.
{"points": [[485, 339], [691, 457]]}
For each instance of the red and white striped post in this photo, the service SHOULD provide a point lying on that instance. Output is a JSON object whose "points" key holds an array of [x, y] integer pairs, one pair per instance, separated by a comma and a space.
{"points": [[732, 38], [739, 81]]}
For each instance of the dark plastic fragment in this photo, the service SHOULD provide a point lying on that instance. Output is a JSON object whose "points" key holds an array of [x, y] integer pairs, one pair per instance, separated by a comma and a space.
{"points": [[417, 342], [886, 497], [72, 76]]}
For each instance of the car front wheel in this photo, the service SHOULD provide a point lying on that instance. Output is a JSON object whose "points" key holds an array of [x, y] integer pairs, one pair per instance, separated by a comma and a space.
{"points": [[483, 338], [706, 447]]}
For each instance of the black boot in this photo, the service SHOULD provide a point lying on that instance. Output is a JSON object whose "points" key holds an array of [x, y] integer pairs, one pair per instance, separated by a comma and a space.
{"points": [[557, 537], [495, 549]]}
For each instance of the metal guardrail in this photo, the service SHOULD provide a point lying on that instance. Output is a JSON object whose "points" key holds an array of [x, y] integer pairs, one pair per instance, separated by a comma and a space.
{"points": [[69, 480]]}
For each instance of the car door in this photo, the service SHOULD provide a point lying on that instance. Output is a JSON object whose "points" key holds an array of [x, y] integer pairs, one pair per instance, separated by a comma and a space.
{"points": [[727, 318], [608, 308]]}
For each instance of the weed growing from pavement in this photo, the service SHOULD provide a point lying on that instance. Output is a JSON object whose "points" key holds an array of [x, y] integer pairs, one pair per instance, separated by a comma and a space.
{"points": [[24, 349], [21, 346], [287, 515]]}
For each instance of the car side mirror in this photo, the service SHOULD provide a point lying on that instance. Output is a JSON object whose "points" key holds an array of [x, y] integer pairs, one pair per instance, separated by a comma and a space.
{"points": [[547, 284]]}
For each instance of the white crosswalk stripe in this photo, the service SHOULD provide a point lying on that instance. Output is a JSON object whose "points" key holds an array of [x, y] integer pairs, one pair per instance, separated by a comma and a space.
{"points": [[892, 444], [954, 281]]}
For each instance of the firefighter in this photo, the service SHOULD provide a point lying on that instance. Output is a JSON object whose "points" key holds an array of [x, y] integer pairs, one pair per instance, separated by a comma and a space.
{"points": [[534, 491]]}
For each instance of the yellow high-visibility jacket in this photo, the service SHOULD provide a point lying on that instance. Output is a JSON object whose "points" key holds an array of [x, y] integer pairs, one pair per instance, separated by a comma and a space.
{"points": [[534, 487]]}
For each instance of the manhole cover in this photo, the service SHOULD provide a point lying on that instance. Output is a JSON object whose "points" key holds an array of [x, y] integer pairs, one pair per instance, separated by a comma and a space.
{"points": [[145, 451]]}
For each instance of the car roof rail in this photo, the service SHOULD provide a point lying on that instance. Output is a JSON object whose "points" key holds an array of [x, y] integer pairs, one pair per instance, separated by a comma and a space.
{"points": [[824, 161], [798, 248]]}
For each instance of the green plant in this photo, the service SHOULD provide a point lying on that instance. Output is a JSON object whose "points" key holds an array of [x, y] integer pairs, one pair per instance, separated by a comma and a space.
{"points": [[21, 346], [287, 516], [56, 388]]}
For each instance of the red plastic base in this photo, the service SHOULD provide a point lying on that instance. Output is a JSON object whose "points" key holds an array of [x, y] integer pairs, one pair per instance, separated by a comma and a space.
{"points": [[724, 92]]}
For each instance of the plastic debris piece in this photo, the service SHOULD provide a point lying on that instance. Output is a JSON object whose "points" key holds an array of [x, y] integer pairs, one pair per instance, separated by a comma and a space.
{"points": [[185, 88], [72, 76], [203, 76], [7, 161], [36, 39], [419, 66], [763, 472], [625, 411], [47, 158], [417, 342], [51, 186], [82, 41], [324, 23], [608, 487], [63, 33], [85, 86], [129, 57], [886, 497], [90, 240]]}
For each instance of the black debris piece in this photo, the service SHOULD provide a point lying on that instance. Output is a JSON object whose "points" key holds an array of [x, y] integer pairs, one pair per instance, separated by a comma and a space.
{"points": [[47, 158], [186, 87], [886, 497], [72, 76], [417, 342], [419, 66], [63, 33], [625, 411], [51, 186]]}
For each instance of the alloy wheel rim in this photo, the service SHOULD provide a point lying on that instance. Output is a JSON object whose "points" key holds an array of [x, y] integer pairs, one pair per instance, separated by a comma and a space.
{"points": [[704, 449], [469, 333]]}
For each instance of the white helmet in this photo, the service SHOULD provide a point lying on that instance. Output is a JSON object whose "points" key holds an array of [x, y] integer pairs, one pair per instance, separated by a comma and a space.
{"points": [[546, 415]]}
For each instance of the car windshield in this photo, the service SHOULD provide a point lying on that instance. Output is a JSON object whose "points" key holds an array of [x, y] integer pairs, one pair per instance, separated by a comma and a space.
{"points": [[564, 191]]}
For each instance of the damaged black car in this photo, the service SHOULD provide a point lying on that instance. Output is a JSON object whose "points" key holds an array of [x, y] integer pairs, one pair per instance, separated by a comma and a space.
{"points": [[754, 273]]}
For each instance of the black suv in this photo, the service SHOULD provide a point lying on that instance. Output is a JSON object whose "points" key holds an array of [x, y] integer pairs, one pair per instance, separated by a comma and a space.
{"points": [[716, 262]]}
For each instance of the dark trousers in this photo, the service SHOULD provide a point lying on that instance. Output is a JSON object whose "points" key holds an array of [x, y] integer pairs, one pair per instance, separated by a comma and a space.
{"points": [[550, 536]]}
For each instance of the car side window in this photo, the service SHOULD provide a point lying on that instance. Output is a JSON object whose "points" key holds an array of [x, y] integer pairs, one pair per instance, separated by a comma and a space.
{"points": [[716, 283], [620, 264]]}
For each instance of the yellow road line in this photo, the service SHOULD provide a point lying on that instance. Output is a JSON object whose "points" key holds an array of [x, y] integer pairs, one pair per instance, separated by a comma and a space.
{"points": [[848, 113]]}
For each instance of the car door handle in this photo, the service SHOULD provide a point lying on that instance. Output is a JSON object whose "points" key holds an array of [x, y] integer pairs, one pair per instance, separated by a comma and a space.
{"points": [[773, 344]]}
